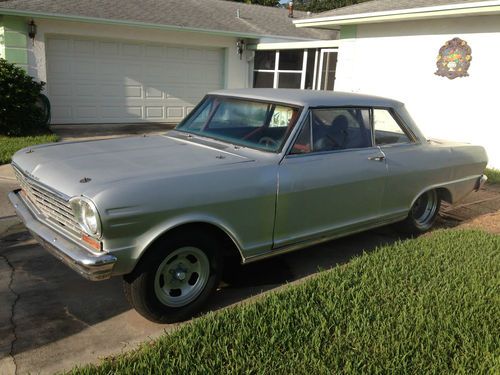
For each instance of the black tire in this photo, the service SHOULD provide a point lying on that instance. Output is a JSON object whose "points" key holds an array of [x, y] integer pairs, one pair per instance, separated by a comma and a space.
{"points": [[143, 287], [422, 214]]}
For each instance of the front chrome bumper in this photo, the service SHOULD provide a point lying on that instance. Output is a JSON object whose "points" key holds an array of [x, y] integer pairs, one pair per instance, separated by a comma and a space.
{"points": [[90, 265]]}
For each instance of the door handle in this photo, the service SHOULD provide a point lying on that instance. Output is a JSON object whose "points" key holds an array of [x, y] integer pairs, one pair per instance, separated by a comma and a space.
{"points": [[377, 158]]}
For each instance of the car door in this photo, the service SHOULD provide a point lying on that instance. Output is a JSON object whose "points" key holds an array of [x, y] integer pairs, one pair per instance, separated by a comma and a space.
{"points": [[332, 181]]}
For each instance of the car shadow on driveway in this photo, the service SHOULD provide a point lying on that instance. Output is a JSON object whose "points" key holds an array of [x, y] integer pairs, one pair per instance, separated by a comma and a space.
{"points": [[255, 278], [55, 303]]}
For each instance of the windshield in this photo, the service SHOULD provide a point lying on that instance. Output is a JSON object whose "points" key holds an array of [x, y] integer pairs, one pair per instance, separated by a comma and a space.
{"points": [[242, 122]]}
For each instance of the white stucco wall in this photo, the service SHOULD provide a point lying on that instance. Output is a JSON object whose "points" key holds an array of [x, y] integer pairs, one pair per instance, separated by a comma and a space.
{"points": [[398, 60], [236, 70]]}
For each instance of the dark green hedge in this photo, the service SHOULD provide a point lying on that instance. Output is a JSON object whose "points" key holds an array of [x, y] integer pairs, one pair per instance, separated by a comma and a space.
{"points": [[19, 114]]}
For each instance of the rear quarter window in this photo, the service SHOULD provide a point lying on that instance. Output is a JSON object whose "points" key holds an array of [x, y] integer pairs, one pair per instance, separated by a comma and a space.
{"points": [[387, 130]]}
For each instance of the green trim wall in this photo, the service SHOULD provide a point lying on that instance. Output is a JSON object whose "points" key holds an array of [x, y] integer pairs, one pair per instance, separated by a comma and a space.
{"points": [[348, 32], [14, 40]]}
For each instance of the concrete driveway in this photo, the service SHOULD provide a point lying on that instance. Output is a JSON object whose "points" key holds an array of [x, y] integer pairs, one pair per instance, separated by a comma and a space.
{"points": [[51, 319]]}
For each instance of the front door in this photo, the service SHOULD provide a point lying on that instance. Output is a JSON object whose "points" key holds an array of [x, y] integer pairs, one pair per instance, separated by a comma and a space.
{"points": [[333, 180]]}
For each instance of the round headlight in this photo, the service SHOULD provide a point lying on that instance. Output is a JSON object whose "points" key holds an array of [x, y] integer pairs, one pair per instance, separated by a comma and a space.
{"points": [[86, 215]]}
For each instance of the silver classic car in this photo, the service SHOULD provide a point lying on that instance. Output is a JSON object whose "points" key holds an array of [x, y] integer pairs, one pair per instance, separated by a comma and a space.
{"points": [[249, 174]]}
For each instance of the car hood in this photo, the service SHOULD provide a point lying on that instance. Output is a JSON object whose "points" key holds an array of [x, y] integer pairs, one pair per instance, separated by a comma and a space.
{"points": [[75, 168]]}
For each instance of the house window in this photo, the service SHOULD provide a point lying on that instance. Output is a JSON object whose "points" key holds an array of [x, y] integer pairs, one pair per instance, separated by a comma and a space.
{"points": [[292, 69]]}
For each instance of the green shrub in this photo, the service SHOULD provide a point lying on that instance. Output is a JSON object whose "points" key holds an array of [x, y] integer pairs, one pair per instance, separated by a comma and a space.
{"points": [[19, 114], [493, 175]]}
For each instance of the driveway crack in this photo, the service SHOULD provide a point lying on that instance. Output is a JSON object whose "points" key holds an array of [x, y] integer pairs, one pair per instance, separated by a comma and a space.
{"points": [[13, 310]]}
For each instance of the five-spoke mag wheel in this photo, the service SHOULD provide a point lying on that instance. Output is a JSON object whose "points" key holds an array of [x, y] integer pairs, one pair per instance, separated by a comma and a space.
{"points": [[175, 277], [181, 277]]}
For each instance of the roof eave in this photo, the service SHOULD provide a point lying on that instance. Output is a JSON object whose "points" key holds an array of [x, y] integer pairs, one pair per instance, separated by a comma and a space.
{"points": [[454, 10], [108, 21]]}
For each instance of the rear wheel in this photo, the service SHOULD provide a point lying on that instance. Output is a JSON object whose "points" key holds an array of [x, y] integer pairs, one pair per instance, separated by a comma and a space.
{"points": [[175, 278], [422, 214]]}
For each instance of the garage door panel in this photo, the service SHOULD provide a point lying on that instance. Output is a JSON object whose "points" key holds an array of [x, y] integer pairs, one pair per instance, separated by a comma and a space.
{"points": [[155, 112], [175, 73], [155, 73], [108, 49], [175, 53], [93, 80], [175, 112], [58, 67], [60, 90], [213, 56], [86, 111], [132, 50], [62, 112], [59, 45], [121, 91], [84, 47], [153, 93], [83, 89], [154, 51], [195, 54], [84, 67]]}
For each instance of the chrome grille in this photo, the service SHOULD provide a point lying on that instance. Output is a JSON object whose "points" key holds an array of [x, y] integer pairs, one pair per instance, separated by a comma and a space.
{"points": [[49, 204]]}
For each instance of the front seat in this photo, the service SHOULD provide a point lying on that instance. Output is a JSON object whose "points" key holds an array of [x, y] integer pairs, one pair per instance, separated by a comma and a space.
{"points": [[333, 137]]}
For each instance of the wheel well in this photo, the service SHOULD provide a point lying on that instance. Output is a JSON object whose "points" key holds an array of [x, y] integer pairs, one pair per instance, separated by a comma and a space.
{"points": [[228, 246], [444, 194]]}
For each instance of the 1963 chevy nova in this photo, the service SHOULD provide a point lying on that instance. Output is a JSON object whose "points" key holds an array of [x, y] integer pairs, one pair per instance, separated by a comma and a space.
{"points": [[249, 173]]}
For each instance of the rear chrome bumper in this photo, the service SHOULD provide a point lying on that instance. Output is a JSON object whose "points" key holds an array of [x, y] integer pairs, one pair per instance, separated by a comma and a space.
{"points": [[90, 265], [480, 182]]}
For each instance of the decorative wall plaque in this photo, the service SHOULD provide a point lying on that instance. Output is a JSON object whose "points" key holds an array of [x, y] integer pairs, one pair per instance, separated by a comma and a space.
{"points": [[454, 59]]}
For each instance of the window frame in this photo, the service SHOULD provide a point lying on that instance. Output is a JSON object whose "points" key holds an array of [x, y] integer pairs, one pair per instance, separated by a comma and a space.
{"points": [[308, 114], [406, 130], [276, 71], [300, 112]]}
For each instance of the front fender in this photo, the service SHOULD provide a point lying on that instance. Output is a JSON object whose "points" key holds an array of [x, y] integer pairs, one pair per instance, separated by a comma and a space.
{"points": [[129, 257]]}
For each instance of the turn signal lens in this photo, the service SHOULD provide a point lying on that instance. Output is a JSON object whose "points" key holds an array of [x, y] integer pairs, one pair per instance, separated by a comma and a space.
{"points": [[94, 244]]}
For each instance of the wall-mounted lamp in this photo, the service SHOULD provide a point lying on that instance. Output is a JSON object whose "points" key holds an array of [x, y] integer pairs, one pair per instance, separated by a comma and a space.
{"points": [[32, 30], [240, 47]]}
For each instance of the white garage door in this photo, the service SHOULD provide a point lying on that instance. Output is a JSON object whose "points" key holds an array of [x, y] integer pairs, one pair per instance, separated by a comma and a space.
{"points": [[106, 81]]}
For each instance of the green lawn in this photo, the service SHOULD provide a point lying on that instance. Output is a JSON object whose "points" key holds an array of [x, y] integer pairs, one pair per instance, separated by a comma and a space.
{"points": [[493, 175], [428, 305], [9, 145]]}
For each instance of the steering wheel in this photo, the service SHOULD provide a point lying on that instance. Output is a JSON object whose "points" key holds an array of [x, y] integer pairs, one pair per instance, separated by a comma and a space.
{"points": [[268, 142]]}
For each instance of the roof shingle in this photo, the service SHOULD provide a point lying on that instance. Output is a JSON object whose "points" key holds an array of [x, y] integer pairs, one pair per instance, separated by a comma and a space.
{"points": [[207, 15], [388, 5]]}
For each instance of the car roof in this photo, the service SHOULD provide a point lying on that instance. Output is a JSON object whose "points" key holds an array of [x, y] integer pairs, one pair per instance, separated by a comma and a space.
{"points": [[310, 98]]}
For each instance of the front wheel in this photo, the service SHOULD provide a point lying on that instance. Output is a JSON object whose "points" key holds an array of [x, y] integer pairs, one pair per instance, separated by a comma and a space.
{"points": [[422, 214], [175, 278]]}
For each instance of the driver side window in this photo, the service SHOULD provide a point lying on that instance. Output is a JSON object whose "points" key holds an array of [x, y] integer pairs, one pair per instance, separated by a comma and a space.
{"points": [[332, 129]]}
